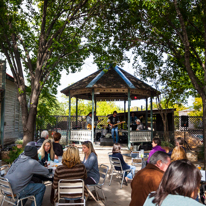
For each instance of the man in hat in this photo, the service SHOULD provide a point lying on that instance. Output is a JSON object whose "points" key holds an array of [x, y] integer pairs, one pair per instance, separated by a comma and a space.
{"points": [[139, 125], [21, 172]]}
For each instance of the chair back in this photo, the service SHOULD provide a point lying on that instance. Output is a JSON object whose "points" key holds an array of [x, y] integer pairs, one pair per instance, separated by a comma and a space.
{"points": [[70, 187], [116, 163], [103, 169], [5, 187]]}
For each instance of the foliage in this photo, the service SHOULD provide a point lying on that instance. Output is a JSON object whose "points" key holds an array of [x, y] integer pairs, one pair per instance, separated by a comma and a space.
{"points": [[13, 154], [198, 107], [19, 141], [40, 39], [167, 144]]}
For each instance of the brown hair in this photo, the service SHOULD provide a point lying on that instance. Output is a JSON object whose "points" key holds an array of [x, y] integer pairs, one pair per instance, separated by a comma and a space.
{"points": [[71, 157], [180, 141], [178, 153], [116, 148], [57, 136], [181, 178], [157, 141], [89, 145]]}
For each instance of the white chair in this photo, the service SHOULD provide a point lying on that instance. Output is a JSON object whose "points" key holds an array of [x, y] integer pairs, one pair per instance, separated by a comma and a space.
{"points": [[71, 187], [8, 194], [116, 163], [136, 159], [103, 170]]}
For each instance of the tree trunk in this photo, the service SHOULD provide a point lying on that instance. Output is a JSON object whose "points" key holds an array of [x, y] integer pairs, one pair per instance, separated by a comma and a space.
{"points": [[204, 126]]}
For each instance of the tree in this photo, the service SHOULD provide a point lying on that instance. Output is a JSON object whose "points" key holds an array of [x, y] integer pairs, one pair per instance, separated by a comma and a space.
{"points": [[198, 107], [41, 38], [169, 37]]}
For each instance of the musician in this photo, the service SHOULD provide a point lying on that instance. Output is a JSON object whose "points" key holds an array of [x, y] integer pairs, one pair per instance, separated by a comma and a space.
{"points": [[89, 119], [139, 125], [114, 119], [133, 121]]}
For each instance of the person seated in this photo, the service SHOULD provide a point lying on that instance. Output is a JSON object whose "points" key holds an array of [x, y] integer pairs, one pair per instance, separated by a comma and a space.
{"points": [[156, 142], [71, 168], [149, 178], [178, 142], [178, 153], [179, 186], [117, 153], [91, 163], [46, 152], [58, 150], [44, 136], [21, 173], [139, 125]]}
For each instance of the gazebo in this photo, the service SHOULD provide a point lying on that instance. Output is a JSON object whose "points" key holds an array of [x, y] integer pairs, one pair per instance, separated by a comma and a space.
{"points": [[110, 84]]}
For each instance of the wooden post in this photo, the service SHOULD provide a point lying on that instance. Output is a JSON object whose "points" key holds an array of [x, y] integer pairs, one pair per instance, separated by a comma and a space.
{"points": [[128, 121], [125, 110]]}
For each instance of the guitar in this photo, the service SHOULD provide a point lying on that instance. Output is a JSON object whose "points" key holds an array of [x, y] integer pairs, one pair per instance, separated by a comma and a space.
{"points": [[116, 124]]}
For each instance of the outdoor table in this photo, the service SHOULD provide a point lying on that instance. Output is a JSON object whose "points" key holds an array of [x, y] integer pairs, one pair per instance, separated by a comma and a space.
{"points": [[52, 165]]}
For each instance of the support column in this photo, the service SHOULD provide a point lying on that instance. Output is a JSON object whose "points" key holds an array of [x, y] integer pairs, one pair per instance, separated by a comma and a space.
{"points": [[69, 116], [128, 121], [151, 118], [92, 116], [146, 114], [76, 111], [95, 105]]}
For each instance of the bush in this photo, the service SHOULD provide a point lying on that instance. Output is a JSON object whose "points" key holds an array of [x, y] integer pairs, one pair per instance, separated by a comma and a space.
{"points": [[166, 144], [13, 154], [19, 141]]}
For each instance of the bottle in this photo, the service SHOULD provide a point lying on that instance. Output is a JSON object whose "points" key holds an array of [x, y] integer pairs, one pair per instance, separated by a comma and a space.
{"points": [[45, 164]]}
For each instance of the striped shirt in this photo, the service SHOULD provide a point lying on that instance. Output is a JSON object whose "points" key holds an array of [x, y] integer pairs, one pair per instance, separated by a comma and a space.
{"points": [[63, 172]]}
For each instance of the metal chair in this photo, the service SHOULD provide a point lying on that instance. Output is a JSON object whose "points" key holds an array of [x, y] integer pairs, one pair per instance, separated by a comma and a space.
{"points": [[8, 194], [3, 170], [116, 163], [103, 170], [136, 159], [69, 187]]}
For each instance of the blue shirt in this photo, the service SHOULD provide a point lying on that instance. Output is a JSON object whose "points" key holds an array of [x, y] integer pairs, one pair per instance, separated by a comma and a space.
{"points": [[125, 166]]}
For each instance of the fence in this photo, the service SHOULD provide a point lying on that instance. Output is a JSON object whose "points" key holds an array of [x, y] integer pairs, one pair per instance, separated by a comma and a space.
{"points": [[193, 130]]}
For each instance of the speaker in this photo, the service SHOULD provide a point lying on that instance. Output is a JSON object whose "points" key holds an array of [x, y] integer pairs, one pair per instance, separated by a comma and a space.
{"points": [[184, 121]]}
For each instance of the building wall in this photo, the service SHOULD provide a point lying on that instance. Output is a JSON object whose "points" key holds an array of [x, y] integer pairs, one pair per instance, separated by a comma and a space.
{"points": [[12, 120]]}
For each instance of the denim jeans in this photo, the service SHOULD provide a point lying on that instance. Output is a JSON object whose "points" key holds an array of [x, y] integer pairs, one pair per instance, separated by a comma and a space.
{"points": [[36, 189], [115, 129], [131, 174]]}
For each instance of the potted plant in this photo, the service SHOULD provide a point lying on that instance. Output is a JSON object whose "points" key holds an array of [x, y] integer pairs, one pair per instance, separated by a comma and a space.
{"points": [[19, 143]]}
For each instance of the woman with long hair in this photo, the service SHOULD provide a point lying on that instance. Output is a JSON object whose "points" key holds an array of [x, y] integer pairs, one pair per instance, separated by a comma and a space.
{"points": [[178, 153], [117, 153], [71, 168], [179, 186], [46, 152], [91, 163]]}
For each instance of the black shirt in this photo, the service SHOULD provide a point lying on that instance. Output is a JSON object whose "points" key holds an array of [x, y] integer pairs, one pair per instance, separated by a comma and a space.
{"points": [[114, 120], [58, 150]]}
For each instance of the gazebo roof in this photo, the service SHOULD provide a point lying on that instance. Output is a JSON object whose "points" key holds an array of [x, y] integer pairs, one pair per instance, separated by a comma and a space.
{"points": [[110, 84]]}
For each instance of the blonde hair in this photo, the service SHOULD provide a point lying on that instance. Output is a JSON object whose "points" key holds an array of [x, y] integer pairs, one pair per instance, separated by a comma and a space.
{"points": [[89, 145], [178, 153], [41, 151], [71, 157]]}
